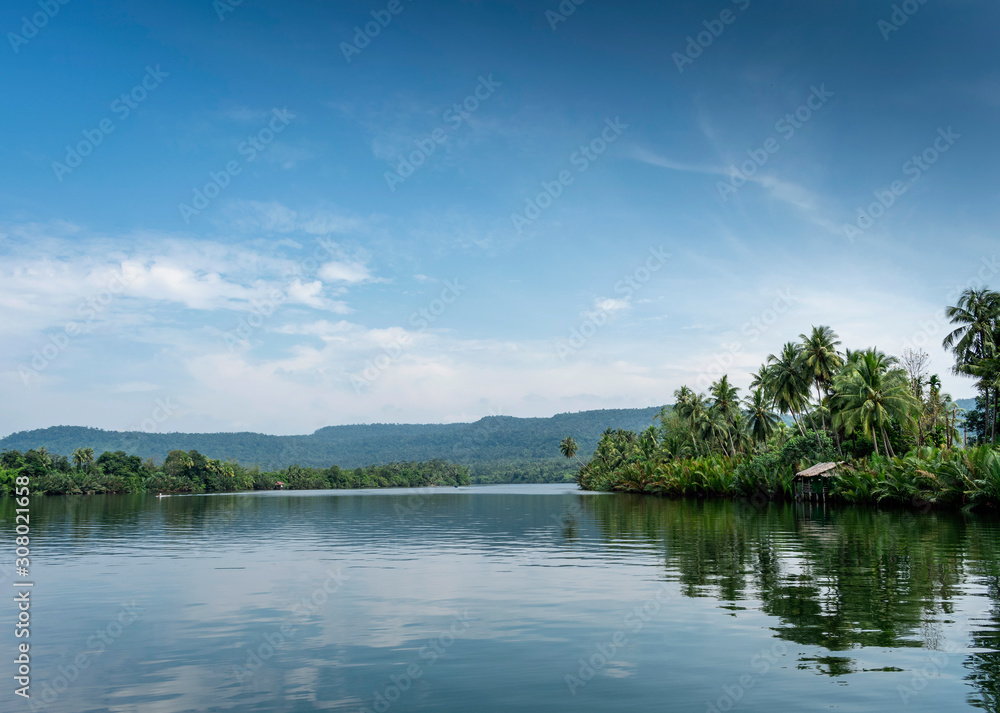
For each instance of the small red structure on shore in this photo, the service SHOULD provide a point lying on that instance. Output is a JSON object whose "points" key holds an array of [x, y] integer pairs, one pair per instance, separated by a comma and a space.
{"points": [[280, 485]]}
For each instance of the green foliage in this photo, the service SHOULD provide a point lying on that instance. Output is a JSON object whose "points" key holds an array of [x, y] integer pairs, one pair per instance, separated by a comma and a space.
{"points": [[975, 342], [193, 472], [7, 476], [805, 450], [872, 394], [924, 477], [124, 468], [393, 475], [549, 471], [981, 421]]}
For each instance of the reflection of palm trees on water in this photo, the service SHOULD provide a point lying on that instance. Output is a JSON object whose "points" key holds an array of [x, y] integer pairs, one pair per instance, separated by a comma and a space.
{"points": [[844, 579]]}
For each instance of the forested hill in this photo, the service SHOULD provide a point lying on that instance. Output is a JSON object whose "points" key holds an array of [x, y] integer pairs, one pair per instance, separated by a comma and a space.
{"points": [[492, 440], [967, 404]]}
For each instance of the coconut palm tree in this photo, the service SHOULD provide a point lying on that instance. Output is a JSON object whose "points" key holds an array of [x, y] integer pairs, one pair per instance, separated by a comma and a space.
{"points": [[781, 434], [682, 397], [976, 315], [822, 361], [711, 426], [987, 370], [83, 457], [649, 442], [741, 432], [760, 379], [691, 408], [787, 382], [976, 337], [949, 412], [726, 403], [761, 420], [873, 391], [568, 447], [852, 356]]}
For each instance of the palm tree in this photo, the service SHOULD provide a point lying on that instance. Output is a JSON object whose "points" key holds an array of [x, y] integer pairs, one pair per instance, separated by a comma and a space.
{"points": [[741, 432], [976, 315], [727, 404], [682, 397], [762, 421], [822, 361], [712, 427], [949, 410], [988, 371], [690, 407], [787, 382], [873, 391], [781, 433], [83, 457], [761, 379], [648, 442], [974, 339], [568, 448]]}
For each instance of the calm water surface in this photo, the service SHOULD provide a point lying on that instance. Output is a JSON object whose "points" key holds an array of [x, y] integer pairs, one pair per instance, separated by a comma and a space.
{"points": [[503, 598]]}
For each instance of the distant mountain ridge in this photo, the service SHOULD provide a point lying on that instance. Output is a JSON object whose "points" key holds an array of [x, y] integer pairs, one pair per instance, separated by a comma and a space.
{"points": [[967, 404], [488, 441], [494, 439]]}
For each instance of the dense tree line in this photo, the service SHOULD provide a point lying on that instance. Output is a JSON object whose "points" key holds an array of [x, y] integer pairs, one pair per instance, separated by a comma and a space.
{"points": [[899, 436], [521, 472], [193, 472]]}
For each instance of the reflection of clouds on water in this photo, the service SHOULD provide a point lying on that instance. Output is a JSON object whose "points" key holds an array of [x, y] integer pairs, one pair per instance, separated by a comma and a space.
{"points": [[869, 599]]}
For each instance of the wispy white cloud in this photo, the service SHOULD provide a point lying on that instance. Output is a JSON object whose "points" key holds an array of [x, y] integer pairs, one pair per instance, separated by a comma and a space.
{"points": [[612, 305], [792, 194], [349, 272], [643, 155], [48, 278]]}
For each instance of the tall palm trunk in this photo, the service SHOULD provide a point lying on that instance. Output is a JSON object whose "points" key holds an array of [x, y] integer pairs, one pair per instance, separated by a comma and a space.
{"points": [[819, 397], [729, 434], [815, 431], [875, 439], [797, 423], [993, 423], [885, 442]]}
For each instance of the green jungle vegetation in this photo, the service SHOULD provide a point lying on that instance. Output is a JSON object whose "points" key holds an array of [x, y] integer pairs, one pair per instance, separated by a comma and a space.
{"points": [[497, 449], [192, 472], [901, 440]]}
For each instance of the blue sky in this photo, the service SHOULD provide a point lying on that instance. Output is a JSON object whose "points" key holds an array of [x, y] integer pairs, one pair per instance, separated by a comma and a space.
{"points": [[225, 217]]}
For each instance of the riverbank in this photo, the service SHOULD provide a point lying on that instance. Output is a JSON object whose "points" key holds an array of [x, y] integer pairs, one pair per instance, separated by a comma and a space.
{"points": [[192, 472], [924, 478]]}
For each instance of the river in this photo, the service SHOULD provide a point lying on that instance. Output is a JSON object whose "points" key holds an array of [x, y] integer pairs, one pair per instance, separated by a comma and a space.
{"points": [[502, 598]]}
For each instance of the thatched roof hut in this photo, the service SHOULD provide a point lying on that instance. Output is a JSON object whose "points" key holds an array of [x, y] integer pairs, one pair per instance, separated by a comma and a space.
{"points": [[811, 482], [827, 470]]}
